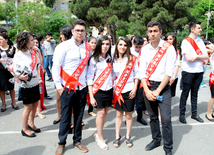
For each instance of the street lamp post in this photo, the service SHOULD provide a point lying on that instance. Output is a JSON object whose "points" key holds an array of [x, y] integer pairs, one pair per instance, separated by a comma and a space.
{"points": [[208, 20]]}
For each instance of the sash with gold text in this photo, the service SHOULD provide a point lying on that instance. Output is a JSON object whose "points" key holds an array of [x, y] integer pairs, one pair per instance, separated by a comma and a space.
{"points": [[100, 80], [194, 45], [72, 81], [156, 60], [122, 82]]}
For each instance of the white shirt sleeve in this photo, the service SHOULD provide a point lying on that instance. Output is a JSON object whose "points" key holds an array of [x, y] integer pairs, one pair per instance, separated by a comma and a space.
{"points": [[170, 61], [91, 72], [58, 59], [142, 67]]}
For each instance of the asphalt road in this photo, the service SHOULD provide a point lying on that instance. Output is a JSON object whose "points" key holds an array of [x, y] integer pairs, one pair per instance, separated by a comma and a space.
{"points": [[193, 138]]}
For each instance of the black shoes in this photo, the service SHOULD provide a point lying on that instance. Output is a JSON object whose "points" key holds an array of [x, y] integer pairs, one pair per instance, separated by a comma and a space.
{"points": [[36, 131], [55, 121], [16, 108], [3, 110], [197, 118], [211, 120], [142, 121], [182, 119], [26, 135], [152, 145], [50, 80]]}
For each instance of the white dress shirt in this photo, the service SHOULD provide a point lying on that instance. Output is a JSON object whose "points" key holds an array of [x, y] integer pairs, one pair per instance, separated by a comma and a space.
{"points": [[177, 63], [212, 62], [68, 55], [25, 59], [186, 48], [95, 69], [165, 66], [118, 68]]}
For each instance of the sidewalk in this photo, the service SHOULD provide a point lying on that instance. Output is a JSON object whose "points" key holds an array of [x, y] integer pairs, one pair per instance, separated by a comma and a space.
{"points": [[193, 138]]}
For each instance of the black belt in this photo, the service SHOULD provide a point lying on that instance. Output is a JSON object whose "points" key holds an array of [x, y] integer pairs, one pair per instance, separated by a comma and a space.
{"points": [[154, 82]]}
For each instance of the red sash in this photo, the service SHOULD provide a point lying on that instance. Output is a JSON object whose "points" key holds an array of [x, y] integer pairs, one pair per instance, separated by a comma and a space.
{"points": [[122, 82], [211, 80], [177, 53], [100, 80], [138, 58], [194, 45], [72, 81], [155, 61], [34, 59]]}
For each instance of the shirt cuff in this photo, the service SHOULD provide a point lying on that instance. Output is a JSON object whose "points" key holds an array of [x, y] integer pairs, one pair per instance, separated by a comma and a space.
{"points": [[58, 86], [90, 82]]}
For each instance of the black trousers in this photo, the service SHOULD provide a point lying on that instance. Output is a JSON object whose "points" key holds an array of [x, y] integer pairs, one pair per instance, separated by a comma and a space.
{"points": [[191, 81], [140, 103], [68, 101], [165, 111]]}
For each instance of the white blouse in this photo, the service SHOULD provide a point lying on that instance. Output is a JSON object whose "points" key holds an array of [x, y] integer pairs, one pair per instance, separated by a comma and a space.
{"points": [[25, 58], [95, 69], [118, 68]]}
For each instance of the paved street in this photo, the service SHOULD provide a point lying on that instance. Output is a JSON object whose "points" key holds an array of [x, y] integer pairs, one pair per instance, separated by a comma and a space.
{"points": [[194, 138]]}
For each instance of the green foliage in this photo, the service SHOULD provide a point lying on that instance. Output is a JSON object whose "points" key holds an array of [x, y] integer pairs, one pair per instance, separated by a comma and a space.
{"points": [[200, 12], [172, 14], [49, 3], [54, 21], [111, 14], [7, 12], [32, 17]]}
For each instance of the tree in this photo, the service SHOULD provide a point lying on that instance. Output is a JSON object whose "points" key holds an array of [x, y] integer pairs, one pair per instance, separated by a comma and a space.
{"points": [[54, 21], [172, 14], [49, 3], [103, 13], [200, 12], [32, 17], [7, 12]]}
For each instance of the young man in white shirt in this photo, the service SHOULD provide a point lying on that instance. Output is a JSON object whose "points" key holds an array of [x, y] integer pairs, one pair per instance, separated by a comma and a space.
{"points": [[193, 53], [156, 67], [69, 71], [139, 100]]}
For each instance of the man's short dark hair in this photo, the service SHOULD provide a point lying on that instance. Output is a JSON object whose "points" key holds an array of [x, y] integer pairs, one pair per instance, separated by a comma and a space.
{"points": [[49, 33], [2, 30], [192, 24], [39, 37], [79, 22], [138, 40], [153, 23], [212, 40]]}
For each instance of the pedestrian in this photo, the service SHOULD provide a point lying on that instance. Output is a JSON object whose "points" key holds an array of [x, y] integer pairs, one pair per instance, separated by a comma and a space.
{"points": [[193, 52], [30, 89], [69, 71], [156, 68], [5, 75], [139, 101], [100, 85], [125, 68], [65, 34], [171, 38], [92, 41], [50, 47]]}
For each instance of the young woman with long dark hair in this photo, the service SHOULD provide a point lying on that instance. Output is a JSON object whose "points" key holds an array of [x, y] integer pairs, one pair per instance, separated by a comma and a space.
{"points": [[100, 85]]}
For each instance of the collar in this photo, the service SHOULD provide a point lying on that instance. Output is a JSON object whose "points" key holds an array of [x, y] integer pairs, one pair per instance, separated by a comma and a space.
{"points": [[101, 58], [74, 43], [159, 45]]}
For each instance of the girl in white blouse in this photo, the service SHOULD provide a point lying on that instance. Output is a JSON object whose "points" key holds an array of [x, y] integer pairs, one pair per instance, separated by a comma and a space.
{"points": [[30, 91], [99, 64], [122, 58]]}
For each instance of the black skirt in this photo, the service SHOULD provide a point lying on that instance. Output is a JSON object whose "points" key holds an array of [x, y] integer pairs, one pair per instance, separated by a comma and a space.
{"points": [[128, 106], [30, 95], [103, 98], [5, 75]]}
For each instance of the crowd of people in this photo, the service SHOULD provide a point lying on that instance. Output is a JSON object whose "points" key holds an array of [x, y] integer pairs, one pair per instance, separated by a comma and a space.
{"points": [[138, 74]]}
